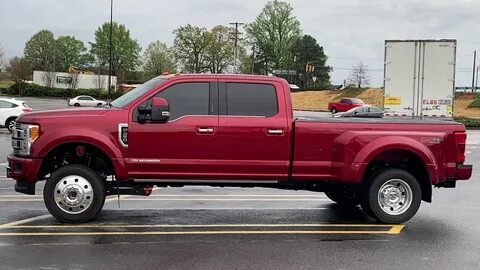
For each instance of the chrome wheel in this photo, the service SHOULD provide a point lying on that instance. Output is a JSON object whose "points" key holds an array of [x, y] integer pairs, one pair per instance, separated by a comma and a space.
{"points": [[11, 125], [395, 197], [73, 194]]}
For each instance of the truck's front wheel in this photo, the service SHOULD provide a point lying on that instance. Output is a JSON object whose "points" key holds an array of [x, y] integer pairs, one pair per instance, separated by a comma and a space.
{"points": [[392, 196], [74, 194]]}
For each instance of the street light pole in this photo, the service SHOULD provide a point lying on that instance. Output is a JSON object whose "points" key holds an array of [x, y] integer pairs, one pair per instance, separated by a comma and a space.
{"points": [[110, 53]]}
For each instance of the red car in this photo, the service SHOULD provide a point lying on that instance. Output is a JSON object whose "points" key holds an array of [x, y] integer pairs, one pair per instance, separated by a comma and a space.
{"points": [[344, 104], [230, 130]]}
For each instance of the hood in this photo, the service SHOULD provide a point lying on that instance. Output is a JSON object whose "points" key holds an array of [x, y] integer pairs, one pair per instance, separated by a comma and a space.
{"points": [[61, 114]]}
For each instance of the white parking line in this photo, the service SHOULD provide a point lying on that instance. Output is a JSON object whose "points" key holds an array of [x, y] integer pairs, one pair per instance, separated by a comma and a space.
{"points": [[3, 164]]}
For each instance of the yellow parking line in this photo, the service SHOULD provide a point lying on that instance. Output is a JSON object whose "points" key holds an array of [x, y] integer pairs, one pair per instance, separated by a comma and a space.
{"points": [[190, 233]]}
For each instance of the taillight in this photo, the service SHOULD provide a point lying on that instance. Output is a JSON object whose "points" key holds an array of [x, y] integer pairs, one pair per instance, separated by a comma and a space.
{"points": [[25, 110], [460, 142]]}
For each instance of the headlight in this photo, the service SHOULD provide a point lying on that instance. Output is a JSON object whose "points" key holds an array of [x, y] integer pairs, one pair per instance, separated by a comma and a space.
{"points": [[23, 137]]}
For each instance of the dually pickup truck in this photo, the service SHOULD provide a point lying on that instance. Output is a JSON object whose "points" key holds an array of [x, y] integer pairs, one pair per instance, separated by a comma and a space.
{"points": [[230, 130]]}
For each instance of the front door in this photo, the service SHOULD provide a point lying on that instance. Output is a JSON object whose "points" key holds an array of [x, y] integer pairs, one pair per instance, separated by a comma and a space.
{"points": [[253, 131], [184, 147]]}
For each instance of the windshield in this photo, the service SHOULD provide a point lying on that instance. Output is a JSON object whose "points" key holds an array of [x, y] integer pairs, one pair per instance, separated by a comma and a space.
{"points": [[356, 101], [137, 92]]}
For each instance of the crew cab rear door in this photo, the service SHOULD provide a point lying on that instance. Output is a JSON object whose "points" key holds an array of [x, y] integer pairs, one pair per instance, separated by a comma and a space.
{"points": [[253, 131], [184, 147]]}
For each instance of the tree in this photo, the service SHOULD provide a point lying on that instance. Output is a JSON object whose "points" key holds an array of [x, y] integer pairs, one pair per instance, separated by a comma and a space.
{"points": [[73, 83], [70, 52], [158, 58], [359, 75], [2, 59], [125, 49], [19, 69], [40, 51], [308, 51], [190, 48], [274, 33], [48, 78], [220, 49]]}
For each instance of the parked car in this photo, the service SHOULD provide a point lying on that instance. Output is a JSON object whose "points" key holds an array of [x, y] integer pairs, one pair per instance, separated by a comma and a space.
{"points": [[10, 109], [85, 101], [365, 111], [230, 130], [344, 104]]}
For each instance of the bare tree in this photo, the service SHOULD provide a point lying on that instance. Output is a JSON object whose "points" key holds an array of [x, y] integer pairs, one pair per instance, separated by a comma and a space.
{"points": [[2, 59], [48, 78], [73, 83], [359, 75], [19, 69], [99, 82]]}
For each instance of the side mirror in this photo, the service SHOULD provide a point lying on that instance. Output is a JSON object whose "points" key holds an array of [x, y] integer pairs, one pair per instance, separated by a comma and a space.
{"points": [[160, 110]]}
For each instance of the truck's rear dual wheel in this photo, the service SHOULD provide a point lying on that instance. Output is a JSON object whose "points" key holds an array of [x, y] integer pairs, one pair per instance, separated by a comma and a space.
{"points": [[392, 196], [74, 194]]}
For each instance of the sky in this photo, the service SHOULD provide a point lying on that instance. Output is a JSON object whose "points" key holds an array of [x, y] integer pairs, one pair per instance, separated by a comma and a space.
{"points": [[349, 30]]}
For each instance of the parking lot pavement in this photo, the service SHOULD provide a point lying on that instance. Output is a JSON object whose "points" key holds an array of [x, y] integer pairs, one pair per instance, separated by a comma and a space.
{"points": [[40, 104], [234, 228]]}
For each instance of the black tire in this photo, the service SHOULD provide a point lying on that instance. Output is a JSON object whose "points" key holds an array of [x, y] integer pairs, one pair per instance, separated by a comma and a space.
{"points": [[76, 105], [10, 124], [404, 184], [334, 110], [94, 206], [99, 104], [341, 198]]}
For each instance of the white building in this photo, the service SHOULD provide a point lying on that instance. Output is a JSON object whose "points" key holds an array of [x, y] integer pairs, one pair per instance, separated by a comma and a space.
{"points": [[69, 80]]}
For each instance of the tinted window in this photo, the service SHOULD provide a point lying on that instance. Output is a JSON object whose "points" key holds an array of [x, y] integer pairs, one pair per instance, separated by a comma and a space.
{"points": [[187, 99], [251, 99], [356, 101], [346, 101], [6, 104]]}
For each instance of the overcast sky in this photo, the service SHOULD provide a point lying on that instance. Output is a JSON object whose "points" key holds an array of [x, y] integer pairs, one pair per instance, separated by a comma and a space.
{"points": [[349, 30]]}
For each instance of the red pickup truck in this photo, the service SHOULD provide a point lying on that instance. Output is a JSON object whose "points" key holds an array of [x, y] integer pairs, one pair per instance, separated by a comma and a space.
{"points": [[230, 130], [344, 104]]}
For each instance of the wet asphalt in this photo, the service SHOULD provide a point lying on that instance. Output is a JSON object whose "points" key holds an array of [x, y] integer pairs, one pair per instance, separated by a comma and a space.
{"points": [[240, 228]]}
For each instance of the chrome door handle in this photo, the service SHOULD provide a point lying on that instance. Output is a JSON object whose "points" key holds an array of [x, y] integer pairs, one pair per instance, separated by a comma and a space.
{"points": [[205, 130], [275, 131]]}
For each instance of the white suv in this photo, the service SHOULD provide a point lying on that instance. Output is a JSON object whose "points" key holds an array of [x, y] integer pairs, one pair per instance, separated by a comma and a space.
{"points": [[10, 109]]}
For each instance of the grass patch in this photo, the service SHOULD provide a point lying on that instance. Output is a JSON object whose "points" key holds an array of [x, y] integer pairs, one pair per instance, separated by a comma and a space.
{"points": [[468, 122], [475, 103], [6, 84], [351, 92]]}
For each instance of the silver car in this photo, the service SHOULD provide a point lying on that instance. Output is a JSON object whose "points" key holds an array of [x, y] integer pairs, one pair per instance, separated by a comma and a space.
{"points": [[365, 111]]}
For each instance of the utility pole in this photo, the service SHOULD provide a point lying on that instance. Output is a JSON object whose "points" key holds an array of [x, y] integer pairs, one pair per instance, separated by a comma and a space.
{"points": [[473, 71], [110, 54], [236, 34], [476, 80]]}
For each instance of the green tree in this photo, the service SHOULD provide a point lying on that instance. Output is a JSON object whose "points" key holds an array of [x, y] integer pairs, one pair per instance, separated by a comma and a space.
{"points": [[158, 58], [71, 52], [40, 51], [125, 49], [220, 49], [274, 33], [190, 48], [19, 70], [308, 51]]}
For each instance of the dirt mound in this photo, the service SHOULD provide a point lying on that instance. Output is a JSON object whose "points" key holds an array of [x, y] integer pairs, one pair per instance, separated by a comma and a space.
{"points": [[313, 100], [372, 96]]}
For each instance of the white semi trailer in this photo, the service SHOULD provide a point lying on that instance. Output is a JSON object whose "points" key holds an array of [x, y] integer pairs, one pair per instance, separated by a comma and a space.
{"points": [[419, 78]]}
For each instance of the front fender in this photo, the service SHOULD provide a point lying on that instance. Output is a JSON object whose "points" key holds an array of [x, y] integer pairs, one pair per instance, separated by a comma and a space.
{"points": [[105, 142]]}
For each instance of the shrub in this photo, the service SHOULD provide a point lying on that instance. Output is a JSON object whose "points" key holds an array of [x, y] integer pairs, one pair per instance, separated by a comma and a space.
{"points": [[34, 90], [468, 122], [475, 103]]}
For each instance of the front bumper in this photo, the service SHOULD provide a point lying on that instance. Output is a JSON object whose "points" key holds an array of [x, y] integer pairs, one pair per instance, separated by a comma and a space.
{"points": [[23, 169], [463, 172]]}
